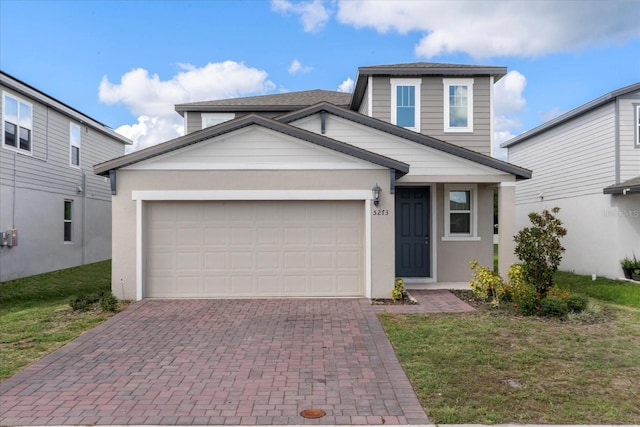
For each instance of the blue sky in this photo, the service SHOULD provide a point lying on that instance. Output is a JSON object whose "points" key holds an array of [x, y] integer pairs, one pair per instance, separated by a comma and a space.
{"points": [[127, 63]]}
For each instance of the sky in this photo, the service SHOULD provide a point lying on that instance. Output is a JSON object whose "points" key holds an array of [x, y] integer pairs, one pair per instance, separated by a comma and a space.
{"points": [[127, 63]]}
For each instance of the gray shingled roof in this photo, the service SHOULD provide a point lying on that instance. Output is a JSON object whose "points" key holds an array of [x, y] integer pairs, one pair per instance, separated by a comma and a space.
{"points": [[288, 101], [419, 69], [627, 187], [609, 97]]}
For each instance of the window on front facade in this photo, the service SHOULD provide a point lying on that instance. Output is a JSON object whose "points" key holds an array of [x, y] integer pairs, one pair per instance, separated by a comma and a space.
{"points": [[458, 105], [405, 103], [212, 119], [17, 123], [74, 140], [68, 220], [637, 126], [460, 211]]}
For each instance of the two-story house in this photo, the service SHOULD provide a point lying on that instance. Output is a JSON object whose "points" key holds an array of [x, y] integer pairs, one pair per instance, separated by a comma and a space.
{"points": [[587, 162], [54, 212], [317, 193]]}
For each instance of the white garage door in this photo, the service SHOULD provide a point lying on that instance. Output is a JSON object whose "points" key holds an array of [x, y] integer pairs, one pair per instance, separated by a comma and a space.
{"points": [[254, 249]]}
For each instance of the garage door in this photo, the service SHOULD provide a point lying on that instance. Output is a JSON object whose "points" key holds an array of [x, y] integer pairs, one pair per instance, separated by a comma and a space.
{"points": [[254, 249]]}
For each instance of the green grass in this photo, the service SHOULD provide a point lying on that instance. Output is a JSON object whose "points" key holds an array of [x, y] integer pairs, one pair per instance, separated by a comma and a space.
{"points": [[614, 291], [35, 317], [493, 366]]}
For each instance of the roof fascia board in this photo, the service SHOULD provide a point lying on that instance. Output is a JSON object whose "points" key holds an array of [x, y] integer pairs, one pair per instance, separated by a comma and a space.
{"points": [[33, 93], [242, 122], [570, 115], [519, 172]]}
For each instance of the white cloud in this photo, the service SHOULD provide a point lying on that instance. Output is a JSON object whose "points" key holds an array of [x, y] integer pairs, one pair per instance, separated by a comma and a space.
{"points": [[313, 14], [296, 67], [346, 86], [153, 99], [483, 29], [508, 101]]}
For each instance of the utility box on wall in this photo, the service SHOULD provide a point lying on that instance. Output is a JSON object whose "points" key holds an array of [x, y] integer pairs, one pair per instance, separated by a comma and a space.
{"points": [[9, 238]]}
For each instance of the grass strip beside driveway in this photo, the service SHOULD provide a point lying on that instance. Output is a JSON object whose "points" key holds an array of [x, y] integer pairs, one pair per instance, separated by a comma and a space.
{"points": [[35, 316], [487, 368]]}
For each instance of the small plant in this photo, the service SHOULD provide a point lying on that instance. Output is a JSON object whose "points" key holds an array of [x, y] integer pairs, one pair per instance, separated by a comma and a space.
{"points": [[525, 298], [631, 267], [83, 302], [553, 306], [398, 293], [577, 303], [539, 249], [487, 284], [109, 302]]}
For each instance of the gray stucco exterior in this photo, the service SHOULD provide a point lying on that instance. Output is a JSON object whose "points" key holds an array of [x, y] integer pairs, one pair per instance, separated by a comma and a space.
{"points": [[35, 184]]}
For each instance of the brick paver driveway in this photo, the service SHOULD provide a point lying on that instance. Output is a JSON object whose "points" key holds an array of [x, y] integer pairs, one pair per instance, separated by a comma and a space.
{"points": [[220, 362]]}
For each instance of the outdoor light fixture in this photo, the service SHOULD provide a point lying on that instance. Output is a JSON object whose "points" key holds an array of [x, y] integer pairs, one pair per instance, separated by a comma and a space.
{"points": [[376, 194]]}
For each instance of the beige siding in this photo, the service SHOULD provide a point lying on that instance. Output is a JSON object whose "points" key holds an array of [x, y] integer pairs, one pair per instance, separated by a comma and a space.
{"points": [[432, 114], [574, 159], [364, 106], [629, 151]]}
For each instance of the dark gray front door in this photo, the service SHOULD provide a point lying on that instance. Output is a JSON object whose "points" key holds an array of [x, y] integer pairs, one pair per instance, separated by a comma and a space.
{"points": [[413, 224]]}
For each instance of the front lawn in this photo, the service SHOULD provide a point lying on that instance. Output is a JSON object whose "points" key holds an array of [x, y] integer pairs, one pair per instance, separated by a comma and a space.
{"points": [[498, 367], [36, 318]]}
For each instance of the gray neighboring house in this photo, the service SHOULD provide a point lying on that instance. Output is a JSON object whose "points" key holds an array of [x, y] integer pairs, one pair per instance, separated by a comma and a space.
{"points": [[317, 193], [587, 162], [54, 212]]}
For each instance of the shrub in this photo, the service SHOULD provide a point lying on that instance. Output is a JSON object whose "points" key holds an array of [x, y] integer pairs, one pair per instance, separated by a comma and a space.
{"points": [[539, 249], [525, 298], [398, 291], [109, 302], [487, 284], [577, 303], [84, 302], [553, 306]]}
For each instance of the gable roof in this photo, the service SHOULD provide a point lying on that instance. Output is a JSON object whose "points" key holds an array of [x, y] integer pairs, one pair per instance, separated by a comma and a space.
{"points": [[576, 112], [277, 102], [428, 141], [33, 93], [401, 168], [419, 69]]}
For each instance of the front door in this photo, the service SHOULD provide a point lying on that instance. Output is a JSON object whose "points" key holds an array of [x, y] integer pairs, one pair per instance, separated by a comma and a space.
{"points": [[413, 224]]}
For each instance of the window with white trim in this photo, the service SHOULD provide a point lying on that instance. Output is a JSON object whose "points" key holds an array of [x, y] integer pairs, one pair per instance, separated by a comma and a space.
{"points": [[637, 126], [74, 145], [212, 119], [17, 123], [68, 220], [460, 212], [458, 105], [405, 103]]}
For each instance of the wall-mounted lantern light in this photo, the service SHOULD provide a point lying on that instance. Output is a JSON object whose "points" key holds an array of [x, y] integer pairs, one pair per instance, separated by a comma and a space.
{"points": [[376, 194]]}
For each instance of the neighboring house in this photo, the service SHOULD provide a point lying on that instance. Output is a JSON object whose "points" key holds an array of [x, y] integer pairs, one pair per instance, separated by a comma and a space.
{"points": [[54, 212], [277, 195], [587, 162]]}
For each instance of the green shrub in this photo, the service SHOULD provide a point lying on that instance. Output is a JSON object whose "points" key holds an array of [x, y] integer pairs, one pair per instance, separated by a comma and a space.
{"points": [[83, 302], [577, 303], [488, 285], [525, 297], [109, 302], [539, 249], [553, 306], [398, 291]]}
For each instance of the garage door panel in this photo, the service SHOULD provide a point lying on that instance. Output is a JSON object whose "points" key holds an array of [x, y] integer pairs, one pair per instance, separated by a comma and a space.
{"points": [[254, 248]]}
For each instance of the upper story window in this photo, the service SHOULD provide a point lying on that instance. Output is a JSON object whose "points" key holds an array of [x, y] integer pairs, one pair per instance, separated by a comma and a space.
{"points": [[458, 105], [74, 144], [17, 123], [405, 103], [461, 212], [212, 119], [637, 126]]}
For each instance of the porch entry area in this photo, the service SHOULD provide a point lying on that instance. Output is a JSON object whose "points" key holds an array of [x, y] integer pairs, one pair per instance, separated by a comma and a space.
{"points": [[413, 228]]}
